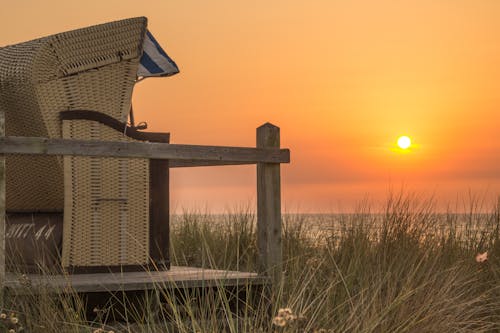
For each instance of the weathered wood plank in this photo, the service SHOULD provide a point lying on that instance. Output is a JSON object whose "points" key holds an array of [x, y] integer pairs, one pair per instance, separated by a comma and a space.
{"points": [[2, 212], [194, 163], [45, 146], [269, 206], [176, 277]]}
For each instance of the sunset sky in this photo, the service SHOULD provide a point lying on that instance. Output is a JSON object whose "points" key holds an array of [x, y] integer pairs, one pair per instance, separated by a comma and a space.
{"points": [[342, 79]]}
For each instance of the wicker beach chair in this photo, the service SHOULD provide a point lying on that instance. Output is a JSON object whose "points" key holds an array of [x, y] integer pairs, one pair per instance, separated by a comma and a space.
{"points": [[78, 85]]}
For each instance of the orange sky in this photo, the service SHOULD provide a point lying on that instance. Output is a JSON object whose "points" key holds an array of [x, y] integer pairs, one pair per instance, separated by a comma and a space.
{"points": [[341, 78]]}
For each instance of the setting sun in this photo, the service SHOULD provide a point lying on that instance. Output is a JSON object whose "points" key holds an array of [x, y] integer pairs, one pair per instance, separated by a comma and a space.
{"points": [[404, 142]]}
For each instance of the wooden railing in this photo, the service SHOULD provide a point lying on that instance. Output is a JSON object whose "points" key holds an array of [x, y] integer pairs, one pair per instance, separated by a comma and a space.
{"points": [[267, 155]]}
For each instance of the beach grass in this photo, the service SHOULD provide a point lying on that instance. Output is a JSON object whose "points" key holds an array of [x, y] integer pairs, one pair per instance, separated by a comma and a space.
{"points": [[406, 269]]}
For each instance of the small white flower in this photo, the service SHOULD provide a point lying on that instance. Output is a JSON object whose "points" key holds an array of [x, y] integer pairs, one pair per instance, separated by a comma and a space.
{"points": [[279, 321], [482, 257]]}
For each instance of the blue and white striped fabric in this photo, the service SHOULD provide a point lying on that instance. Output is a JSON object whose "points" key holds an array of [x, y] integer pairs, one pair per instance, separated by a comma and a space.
{"points": [[154, 60]]}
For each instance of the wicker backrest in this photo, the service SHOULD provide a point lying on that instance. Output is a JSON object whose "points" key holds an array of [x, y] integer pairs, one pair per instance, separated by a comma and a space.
{"points": [[91, 68]]}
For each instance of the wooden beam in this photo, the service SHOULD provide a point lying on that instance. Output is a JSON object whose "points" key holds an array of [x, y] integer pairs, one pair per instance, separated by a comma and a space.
{"points": [[178, 277], [195, 163], [269, 206], [2, 212], [45, 146]]}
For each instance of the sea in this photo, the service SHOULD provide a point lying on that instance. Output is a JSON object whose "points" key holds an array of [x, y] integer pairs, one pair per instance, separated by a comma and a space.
{"points": [[428, 224]]}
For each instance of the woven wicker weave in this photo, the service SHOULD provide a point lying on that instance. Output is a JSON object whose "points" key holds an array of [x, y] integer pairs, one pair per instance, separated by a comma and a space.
{"points": [[104, 197], [105, 201]]}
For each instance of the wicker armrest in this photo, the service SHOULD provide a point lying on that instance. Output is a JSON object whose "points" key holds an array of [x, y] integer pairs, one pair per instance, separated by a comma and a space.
{"points": [[104, 119]]}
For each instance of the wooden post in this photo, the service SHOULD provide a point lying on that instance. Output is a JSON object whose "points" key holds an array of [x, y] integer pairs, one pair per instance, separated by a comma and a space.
{"points": [[159, 210], [2, 212], [159, 214], [269, 206]]}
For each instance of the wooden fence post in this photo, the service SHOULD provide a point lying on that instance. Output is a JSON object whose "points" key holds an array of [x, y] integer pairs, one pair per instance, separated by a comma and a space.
{"points": [[2, 212], [269, 206]]}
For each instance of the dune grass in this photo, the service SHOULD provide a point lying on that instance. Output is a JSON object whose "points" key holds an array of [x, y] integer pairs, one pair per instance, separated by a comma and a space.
{"points": [[405, 270]]}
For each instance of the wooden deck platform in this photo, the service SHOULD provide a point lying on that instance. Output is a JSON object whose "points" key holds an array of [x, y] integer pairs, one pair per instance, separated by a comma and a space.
{"points": [[176, 277]]}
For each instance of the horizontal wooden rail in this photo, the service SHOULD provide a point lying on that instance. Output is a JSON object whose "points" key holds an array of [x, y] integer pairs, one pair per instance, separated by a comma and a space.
{"points": [[151, 150], [201, 163]]}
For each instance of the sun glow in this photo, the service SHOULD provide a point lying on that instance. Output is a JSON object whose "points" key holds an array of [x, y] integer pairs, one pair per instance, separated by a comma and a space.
{"points": [[404, 142]]}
